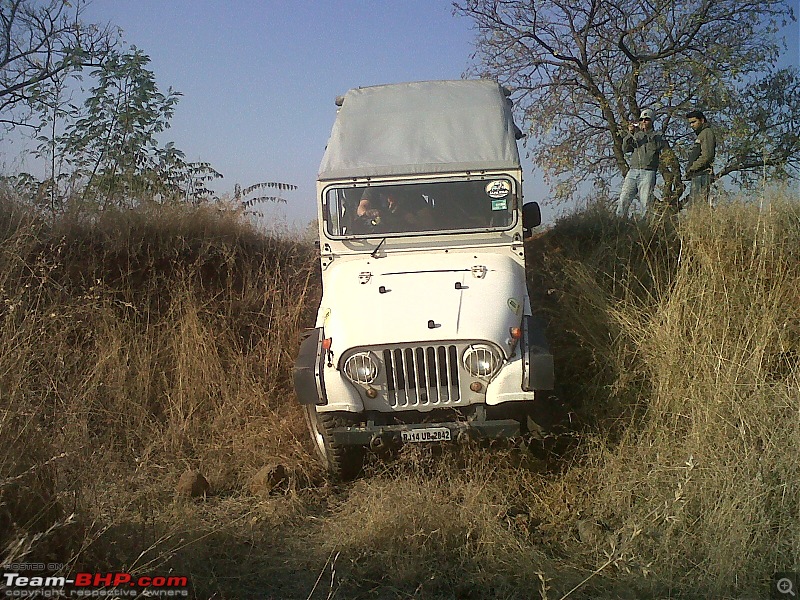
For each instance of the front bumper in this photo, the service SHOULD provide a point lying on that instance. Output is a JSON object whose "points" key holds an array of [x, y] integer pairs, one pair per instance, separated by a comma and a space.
{"points": [[384, 436]]}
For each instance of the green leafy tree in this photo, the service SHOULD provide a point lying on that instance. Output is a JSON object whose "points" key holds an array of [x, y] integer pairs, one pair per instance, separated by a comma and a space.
{"points": [[53, 105], [108, 148], [581, 70], [43, 42], [114, 140]]}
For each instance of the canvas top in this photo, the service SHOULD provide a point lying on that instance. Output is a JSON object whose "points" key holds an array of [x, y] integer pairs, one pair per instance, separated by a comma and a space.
{"points": [[425, 127]]}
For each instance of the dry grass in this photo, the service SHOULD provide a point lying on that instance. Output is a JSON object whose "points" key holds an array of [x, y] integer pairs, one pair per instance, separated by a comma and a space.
{"points": [[137, 344], [132, 347], [691, 383]]}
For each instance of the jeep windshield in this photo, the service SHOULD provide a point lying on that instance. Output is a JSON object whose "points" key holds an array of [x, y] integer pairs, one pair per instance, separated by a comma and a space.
{"points": [[419, 208]]}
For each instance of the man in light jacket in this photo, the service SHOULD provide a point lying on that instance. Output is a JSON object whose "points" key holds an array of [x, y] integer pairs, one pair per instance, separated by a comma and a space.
{"points": [[645, 146]]}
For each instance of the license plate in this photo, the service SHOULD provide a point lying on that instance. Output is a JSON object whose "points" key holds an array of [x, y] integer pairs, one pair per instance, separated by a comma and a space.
{"points": [[428, 434]]}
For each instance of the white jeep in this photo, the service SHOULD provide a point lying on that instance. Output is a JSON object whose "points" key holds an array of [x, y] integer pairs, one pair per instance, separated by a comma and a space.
{"points": [[425, 332]]}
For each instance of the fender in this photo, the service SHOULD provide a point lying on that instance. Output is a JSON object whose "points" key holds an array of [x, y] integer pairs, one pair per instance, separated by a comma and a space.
{"points": [[308, 371], [537, 360]]}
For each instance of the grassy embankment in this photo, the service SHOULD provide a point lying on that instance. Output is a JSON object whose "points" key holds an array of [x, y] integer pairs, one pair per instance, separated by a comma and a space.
{"points": [[145, 343]]}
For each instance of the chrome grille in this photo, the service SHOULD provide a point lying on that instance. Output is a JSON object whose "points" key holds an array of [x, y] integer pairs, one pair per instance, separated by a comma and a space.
{"points": [[421, 375]]}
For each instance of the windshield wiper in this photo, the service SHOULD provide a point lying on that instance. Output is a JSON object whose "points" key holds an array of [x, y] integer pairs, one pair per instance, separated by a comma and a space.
{"points": [[374, 253]]}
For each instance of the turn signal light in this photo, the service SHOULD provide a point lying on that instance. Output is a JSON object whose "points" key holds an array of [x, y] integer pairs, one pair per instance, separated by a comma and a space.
{"points": [[326, 343], [476, 386], [516, 332]]}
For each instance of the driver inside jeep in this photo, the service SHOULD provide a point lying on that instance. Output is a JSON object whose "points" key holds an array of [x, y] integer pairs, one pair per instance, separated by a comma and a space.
{"points": [[392, 211]]}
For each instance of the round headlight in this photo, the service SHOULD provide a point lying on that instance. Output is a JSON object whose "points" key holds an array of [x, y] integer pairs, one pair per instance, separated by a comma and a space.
{"points": [[481, 360], [361, 367]]}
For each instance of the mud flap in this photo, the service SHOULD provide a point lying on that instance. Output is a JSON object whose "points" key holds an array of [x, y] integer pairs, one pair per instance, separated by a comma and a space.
{"points": [[537, 361], [308, 371]]}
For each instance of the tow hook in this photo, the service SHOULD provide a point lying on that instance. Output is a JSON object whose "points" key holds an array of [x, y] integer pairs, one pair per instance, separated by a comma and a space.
{"points": [[380, 442]]}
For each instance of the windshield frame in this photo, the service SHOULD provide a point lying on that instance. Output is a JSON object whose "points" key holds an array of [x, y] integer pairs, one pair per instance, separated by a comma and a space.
{"points": [[329, 218]]}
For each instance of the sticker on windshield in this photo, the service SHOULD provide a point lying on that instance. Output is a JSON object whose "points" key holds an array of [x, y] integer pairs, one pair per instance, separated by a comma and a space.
{"points": [[499, 188], [500, 204]]}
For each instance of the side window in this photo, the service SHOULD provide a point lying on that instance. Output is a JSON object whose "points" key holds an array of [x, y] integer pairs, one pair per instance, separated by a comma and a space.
{"points": [[341, 210], [334, 210]]}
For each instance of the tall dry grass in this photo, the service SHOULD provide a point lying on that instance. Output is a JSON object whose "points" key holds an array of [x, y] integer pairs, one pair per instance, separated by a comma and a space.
{"points": [[134, 345], [137, 344], [690, 387]]}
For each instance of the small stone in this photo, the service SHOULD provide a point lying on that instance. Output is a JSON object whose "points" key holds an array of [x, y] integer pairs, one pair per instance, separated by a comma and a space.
{"points": [[269, 478], [589, 532], [192, 484]]}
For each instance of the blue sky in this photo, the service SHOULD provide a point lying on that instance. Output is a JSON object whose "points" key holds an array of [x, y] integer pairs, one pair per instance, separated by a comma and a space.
{"points": [[259, 77]]}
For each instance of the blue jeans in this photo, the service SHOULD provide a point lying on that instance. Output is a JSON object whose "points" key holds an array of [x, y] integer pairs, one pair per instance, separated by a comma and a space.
{"points": [[638, 185], [700, 189]]}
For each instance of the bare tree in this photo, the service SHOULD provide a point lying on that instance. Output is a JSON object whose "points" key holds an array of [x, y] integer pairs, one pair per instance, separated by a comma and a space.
{"points": [[41, 42], [581, 70]]}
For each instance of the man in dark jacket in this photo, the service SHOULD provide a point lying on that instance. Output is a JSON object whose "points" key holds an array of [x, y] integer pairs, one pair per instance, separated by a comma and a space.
{"points": [[701, 158], [645, 146]]}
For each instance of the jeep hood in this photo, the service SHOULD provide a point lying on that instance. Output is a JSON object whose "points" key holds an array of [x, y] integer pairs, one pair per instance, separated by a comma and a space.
{"points": [[405, 298]]}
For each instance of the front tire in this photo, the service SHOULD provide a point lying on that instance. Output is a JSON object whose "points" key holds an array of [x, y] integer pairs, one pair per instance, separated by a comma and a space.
{"points": [[343, 462]]}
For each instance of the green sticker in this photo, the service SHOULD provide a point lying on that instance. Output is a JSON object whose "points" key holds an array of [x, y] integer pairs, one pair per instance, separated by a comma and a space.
{"points": [[500, 204]]}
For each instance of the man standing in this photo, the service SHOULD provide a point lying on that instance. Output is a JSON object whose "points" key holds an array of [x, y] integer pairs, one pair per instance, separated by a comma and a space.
{"points": [[646, 146], [701, 157]]}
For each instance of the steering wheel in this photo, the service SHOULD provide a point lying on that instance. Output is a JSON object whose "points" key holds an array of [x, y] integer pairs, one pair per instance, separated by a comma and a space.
{"points": [[366, 224]]}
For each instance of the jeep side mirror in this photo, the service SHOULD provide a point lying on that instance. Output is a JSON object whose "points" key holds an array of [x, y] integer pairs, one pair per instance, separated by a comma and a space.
{"points": [[531, 215]]}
